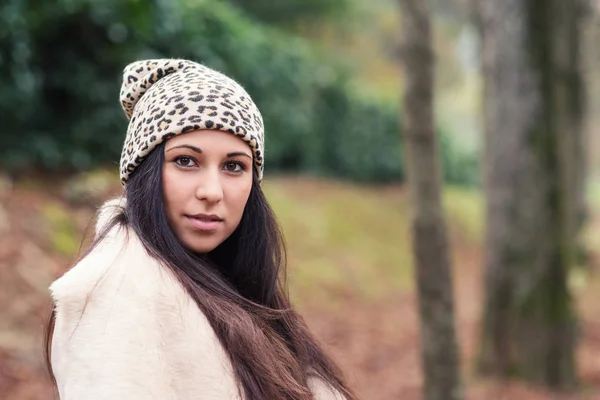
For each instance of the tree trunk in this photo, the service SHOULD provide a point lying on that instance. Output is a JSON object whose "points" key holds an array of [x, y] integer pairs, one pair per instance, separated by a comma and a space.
{"points": [[529, 323], [570, 34], [439, 348]]}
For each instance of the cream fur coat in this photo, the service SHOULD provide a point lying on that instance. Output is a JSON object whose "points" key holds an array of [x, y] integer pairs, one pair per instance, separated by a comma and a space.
{"points": [[126, 329]]}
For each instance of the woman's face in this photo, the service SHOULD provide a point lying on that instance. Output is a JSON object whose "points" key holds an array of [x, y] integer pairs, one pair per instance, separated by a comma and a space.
{"points": [[207, 177]]}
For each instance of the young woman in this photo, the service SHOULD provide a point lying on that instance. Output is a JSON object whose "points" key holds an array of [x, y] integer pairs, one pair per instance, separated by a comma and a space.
{"points": [[180, 295]]}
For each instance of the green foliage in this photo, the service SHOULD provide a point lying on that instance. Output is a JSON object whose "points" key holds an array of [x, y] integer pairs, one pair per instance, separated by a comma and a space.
{"points": [[359, 138], [57, 80], [285, 12], [60, 74], [459, 165]]}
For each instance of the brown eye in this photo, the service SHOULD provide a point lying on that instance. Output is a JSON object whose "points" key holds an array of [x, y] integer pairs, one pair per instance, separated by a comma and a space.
{"points": [[234, 166], [184, 161]]}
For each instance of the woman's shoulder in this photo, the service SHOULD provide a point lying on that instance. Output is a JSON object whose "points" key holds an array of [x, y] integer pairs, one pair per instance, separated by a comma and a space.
{"points": [[117, 266]]}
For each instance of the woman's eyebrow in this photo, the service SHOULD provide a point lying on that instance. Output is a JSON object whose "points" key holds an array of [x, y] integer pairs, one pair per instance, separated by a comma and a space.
{"points": [[187, 146], [199, 151], [238, 153]]}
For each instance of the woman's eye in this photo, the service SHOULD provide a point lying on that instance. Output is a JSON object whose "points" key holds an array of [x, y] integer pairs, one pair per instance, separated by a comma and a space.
{"points": [[233, 166], [184, 161]]}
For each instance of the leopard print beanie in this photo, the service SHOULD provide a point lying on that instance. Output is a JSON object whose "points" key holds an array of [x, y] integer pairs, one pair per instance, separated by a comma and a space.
{"points": [[167, 97]]}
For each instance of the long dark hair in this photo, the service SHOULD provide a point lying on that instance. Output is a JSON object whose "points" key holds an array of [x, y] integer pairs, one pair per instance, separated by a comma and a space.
{"points": [[240, 287]]}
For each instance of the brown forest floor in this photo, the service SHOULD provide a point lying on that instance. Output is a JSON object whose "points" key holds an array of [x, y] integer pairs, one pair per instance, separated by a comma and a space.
{"points": [[376, 341]]}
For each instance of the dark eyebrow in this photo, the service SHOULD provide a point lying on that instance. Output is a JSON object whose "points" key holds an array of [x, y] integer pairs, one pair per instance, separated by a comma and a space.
{"points": [[199, 151], [238, 153], [187, 146]]}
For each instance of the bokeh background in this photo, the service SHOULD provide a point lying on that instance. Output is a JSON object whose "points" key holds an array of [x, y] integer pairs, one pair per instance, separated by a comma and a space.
{"points": [[326, 75]]}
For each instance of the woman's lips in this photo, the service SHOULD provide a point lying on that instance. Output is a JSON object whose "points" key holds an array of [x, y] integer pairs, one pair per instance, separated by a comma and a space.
{"points": [[204, 224]]}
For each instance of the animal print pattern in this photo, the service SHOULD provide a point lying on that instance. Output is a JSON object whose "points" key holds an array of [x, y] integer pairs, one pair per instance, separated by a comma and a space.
{"points": [[167, 97]]}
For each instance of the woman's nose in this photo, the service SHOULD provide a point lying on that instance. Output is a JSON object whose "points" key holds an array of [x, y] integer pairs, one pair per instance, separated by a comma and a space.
{"points": [[209, 187]]}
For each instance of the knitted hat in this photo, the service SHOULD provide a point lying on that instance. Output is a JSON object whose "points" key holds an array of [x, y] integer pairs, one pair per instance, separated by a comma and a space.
{"points": [[167, 97]]}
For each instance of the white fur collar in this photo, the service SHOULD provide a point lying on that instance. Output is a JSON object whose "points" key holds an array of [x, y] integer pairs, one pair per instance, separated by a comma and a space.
{"points": [[108, 210]]}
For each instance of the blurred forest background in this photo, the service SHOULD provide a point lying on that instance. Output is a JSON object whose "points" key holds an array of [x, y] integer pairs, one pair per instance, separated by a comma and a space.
{"points": [[326, 75]]}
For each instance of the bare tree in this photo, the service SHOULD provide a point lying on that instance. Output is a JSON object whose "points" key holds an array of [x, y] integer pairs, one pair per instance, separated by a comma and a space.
{"points": [[439, 348], [532, 175], [570, 37]]}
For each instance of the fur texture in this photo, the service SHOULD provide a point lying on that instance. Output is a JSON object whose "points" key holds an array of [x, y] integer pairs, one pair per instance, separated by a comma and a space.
{"points": [[126, 329]]}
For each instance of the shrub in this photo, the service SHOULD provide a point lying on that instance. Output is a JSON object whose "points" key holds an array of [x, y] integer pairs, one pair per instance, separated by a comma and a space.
{"points": [[59, 86]]}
